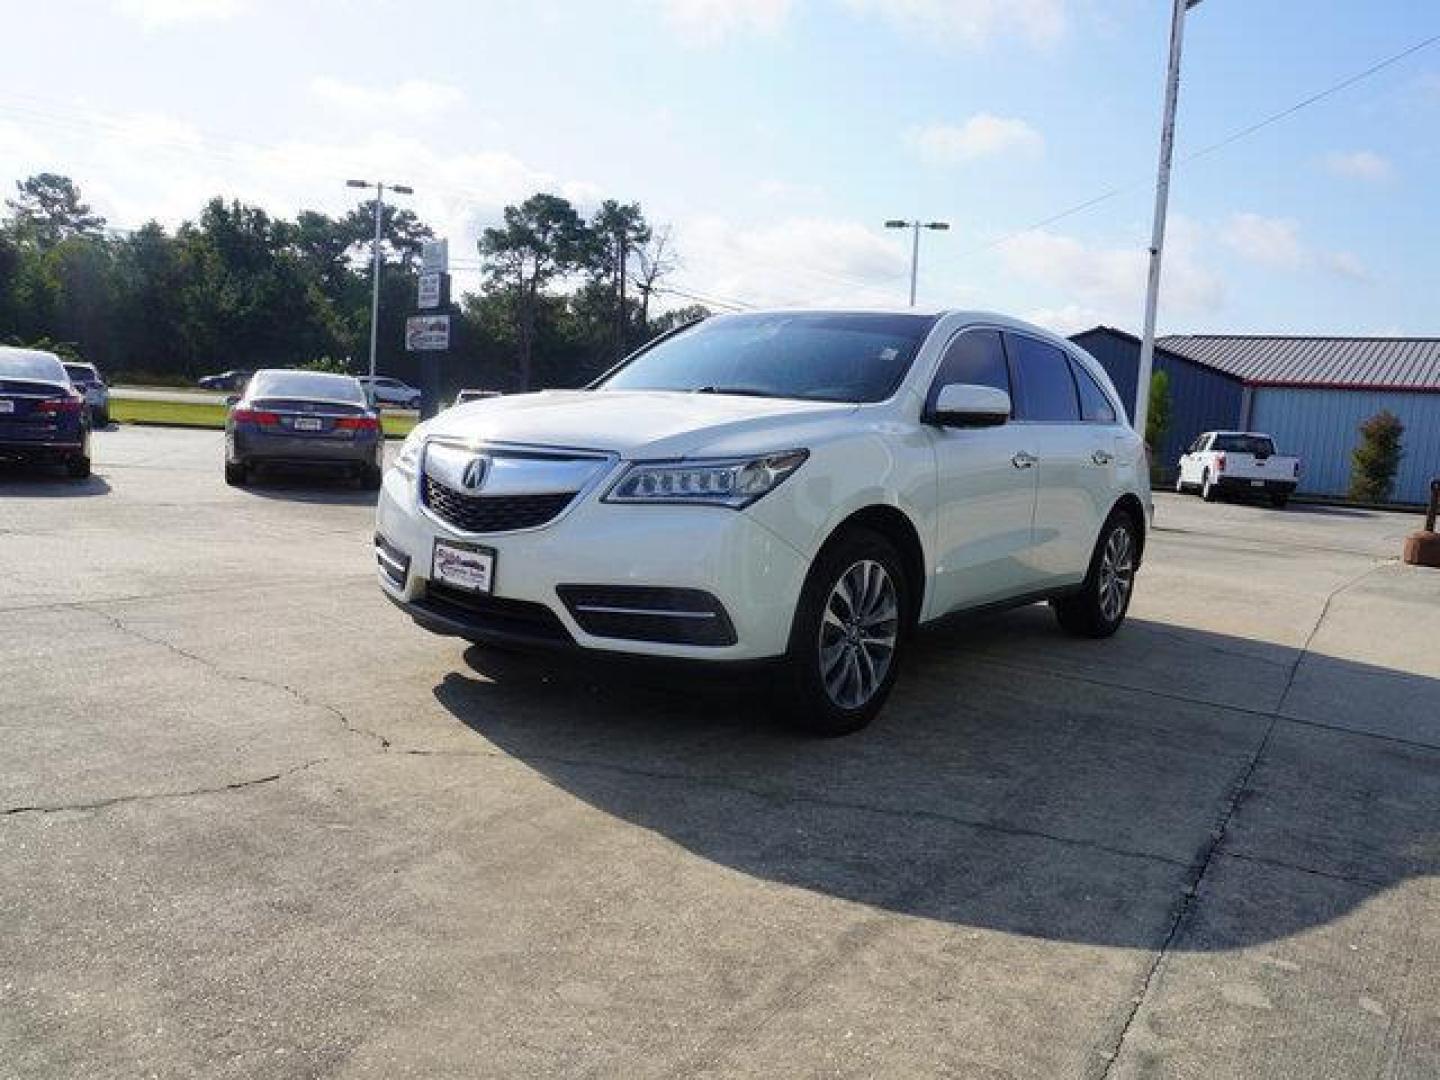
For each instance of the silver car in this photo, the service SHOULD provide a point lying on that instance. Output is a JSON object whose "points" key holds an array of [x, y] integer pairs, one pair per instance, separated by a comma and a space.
{"points": [[87, 379]]}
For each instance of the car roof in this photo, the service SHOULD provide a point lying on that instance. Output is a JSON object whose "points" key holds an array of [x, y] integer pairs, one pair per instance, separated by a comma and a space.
{"points": [[36, 354]]}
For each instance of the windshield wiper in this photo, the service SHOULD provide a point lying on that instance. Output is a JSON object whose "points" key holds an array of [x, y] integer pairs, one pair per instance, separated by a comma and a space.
{"points": [[742, 391]]}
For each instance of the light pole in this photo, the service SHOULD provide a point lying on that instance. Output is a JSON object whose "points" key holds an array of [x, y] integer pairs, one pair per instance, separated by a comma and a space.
{"points": [[399, 189], [1162, 204], [916, 226]]}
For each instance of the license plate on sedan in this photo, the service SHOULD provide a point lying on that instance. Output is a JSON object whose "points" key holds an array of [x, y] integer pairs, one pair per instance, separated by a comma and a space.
{"points": [[308, 423], [1257, 483], [465, 566], [6, 405]]}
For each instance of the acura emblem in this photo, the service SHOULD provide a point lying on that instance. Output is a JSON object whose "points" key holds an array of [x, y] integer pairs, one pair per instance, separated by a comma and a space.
{"points": [[473, 477]]}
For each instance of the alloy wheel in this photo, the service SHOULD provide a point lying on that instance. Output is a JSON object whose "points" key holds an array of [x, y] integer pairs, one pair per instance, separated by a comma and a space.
{"points": [[857, 634], [1117, 573]]}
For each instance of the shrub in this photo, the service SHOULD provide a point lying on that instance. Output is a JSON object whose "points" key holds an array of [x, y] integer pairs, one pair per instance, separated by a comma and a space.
{"points": [[1376, 460]]}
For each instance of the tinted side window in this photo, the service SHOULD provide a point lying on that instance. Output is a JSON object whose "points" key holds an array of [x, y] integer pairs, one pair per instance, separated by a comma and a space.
{"points": [[1095, 407], [977, 357], [1047, 390]]}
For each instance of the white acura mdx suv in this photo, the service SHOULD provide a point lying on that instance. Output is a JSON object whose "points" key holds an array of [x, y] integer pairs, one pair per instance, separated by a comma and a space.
{"points": [[805, 487]]}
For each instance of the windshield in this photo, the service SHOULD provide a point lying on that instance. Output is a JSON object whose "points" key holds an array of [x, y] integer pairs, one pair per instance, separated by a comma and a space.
{"points": [[306, 384], [809, 355], [1259, 445], [31, 365]]}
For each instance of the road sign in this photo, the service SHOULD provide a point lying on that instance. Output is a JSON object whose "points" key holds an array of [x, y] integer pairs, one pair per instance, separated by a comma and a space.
{"points": [[435, 256], [430, 291], [427, 333]]}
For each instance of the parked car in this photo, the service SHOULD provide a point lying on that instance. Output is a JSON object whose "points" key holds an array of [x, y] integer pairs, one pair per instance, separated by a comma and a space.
{"points": [[804, 488], [1238, 462], [87, 379], [303, 419], [387, 391], [474, 395], [43, 418], [235, 379]]}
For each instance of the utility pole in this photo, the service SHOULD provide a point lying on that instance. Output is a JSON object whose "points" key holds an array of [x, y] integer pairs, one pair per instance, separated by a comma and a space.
{"points": [[399, 189], [916, 226], [1162, 204]]}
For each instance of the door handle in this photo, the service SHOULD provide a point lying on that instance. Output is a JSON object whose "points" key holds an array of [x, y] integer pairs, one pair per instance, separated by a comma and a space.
{"points": [[1102, 457], [1022, 460]]}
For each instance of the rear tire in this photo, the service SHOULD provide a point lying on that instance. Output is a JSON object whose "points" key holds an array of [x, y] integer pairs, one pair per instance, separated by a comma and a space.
{"points": [[370, 477], [1208, 491], [1279, 499], [1099, 607], [78, 468], [848, 635], [236, 475]]}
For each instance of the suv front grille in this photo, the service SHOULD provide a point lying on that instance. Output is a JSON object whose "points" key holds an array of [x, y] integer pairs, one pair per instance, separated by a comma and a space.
{"points": [[492, 513]]}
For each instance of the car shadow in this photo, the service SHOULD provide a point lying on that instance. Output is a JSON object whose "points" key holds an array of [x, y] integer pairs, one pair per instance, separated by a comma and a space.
{"points": [[46, 482], [309, 488], [1015, 781]]}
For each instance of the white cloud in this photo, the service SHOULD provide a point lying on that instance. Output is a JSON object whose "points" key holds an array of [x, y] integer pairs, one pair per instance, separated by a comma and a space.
{"points": [[170, 12], [1275, 243], [1360, 165], [802, 261], [413, 98], [704, 22], [983, 135], [1268, 241], [971, 21], [1107, 284]]}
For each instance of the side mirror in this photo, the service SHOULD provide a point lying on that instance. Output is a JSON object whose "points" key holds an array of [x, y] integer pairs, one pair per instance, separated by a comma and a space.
{"points": [[969, 405], [231, 399]]}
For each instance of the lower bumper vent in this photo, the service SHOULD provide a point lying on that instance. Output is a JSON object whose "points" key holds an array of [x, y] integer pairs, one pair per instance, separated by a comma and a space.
{"points": [[649, 613]]}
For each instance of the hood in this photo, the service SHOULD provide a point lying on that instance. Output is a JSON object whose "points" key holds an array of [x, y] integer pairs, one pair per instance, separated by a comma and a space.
{"points": [[638, 423]]}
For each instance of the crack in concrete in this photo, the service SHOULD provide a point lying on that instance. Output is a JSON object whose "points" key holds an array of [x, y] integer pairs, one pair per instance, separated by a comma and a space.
{"points": [[1205, 858], [237, 676], [1280, 864], [152, 796]]}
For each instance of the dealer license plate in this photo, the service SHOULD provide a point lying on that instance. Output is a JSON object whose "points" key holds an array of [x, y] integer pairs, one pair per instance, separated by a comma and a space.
{"points": [[307, 423], [1257, 483], [465, 566]]}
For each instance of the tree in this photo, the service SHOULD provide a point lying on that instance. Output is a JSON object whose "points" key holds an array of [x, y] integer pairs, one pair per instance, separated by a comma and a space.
{"points": [[49, 209], [682, 316], [657, 261], [541, 239], [618, 231], [1376, 460], [1157, 420]]}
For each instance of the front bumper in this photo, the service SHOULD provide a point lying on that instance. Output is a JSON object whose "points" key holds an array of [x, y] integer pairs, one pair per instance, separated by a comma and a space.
{"points": [[679, 551]]}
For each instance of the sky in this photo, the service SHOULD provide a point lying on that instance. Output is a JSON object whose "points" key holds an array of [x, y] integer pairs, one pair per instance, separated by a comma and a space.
{"points": [[775, 138]]}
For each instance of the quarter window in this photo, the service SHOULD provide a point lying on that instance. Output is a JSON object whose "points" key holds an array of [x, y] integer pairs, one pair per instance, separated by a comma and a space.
{"points": [[976, 357], [1047, 389], [1095, 405]]}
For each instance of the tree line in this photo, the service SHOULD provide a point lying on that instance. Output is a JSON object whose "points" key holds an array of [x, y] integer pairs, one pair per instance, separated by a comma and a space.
{"points": [[562, 295]]}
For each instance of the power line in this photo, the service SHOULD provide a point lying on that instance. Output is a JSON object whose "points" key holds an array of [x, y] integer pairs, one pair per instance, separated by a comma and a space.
{"points": [[1233, 137]]}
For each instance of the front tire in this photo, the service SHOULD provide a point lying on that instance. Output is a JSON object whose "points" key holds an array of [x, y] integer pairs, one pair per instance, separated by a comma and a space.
{"points": [[1099, 607], [848, 634]]}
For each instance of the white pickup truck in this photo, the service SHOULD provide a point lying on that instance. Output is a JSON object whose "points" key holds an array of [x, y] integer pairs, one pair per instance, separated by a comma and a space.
{"points": [[1240, 462]]}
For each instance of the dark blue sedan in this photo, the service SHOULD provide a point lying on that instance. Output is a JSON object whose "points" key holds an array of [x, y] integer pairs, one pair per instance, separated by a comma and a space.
{"points": [[303, 420], [43, 418]]}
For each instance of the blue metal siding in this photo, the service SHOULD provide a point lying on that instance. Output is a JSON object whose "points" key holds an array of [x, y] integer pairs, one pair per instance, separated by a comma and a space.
{"points": [[1322, 427], [1201, 399]]}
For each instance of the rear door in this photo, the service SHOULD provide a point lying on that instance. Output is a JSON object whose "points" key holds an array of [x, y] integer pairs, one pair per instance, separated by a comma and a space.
{"points": [[1073, 461], [985, 487]]}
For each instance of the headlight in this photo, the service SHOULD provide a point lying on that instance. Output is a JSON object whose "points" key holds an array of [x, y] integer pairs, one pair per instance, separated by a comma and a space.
{"points": [[408, 460], [732, 482]]}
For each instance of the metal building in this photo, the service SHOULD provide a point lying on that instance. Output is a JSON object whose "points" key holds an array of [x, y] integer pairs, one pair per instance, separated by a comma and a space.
{"points": [[1311, 393]]}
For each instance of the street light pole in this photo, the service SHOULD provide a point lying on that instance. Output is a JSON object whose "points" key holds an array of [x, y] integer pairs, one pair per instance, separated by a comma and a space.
{"points": [[399, 189], [1162, 204], [915, 227]]}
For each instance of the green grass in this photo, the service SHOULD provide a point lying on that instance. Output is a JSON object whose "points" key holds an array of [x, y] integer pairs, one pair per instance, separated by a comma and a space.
{"points": [[204, 414]]}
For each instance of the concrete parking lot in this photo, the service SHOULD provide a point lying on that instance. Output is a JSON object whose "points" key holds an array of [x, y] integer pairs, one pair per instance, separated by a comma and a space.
{"points": [[258, 825]]}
